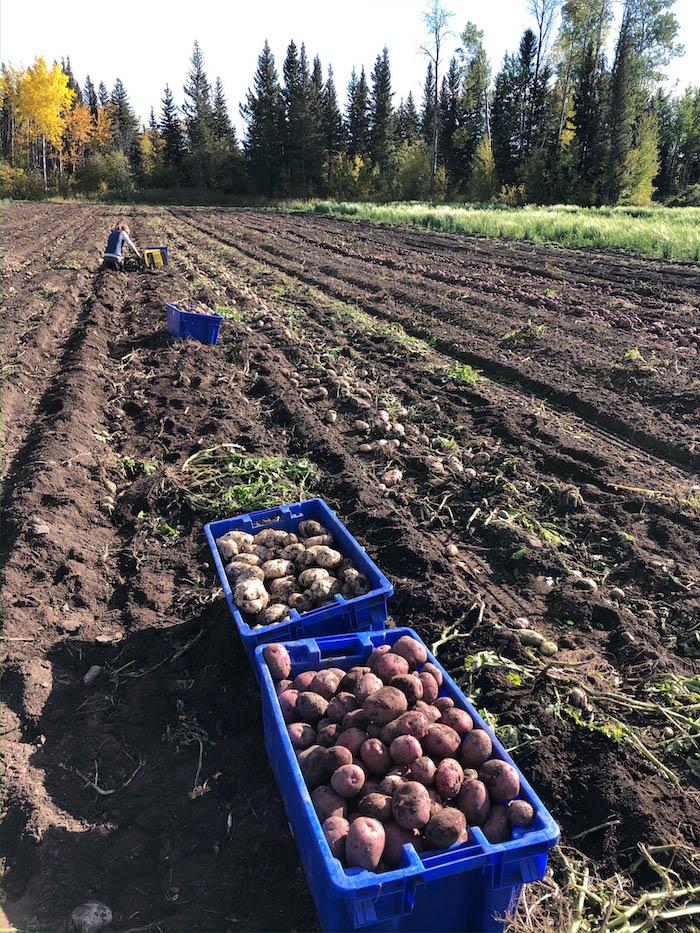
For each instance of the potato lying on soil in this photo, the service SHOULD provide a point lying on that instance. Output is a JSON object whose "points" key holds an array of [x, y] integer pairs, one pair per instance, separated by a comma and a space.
{"points": [[365, 843], [336, 830]]}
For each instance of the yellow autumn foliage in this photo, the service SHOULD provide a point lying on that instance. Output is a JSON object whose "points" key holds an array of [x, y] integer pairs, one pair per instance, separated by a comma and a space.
{"points": [[43, 99]]}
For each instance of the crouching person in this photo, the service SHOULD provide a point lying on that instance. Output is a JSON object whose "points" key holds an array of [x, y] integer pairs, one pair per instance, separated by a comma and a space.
{"points": [[113, 255]]}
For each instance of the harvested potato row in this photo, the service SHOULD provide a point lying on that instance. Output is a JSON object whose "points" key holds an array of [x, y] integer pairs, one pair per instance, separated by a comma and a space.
{"points": [[275, 571], [388, 761]]}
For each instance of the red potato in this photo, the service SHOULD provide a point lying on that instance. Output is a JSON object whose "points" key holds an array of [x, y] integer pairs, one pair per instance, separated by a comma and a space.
{"points": [[446, 828], [336, 757], [501, 780], [385, 705], [365, 843], [311, 707], [476, 748], [473, 800], [312, 765], [327, 803], [369, 787], [410, 685], [412, 723], [497, 828], [378, 806], [325, 683], [436, 801], [449, 778], [369, 685], [303, 681], [423, 770], [396, 839], [288, 705], [374, 730], [338, 671], [375, 756], [405, 749], [327, 733], [412, 650], [520, 813], [283, 685], [471, 774], [390, 665], [376, 655], [356, 717], [301, 734], [336, 830], [340, 705], [411, 805], [457, 719], [431, 713], [440, 742], [434, 671], [353, 739], [278, 661], [348, 780], [430, 687], [349, 683], [444, 703], [389, 784]]}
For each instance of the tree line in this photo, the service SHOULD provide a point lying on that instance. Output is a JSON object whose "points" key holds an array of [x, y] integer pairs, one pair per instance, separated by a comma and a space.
{"points": [[558, 122]]}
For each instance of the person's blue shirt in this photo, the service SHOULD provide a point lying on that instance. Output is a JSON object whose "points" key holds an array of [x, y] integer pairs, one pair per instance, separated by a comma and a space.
{"points": [[116, 241]]}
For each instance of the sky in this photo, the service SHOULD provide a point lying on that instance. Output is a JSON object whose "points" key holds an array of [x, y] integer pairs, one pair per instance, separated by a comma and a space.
{"points": [[149, 44]]}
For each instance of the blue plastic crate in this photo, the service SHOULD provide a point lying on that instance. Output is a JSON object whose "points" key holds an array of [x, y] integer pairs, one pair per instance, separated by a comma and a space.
{"points": [[191, 325], [469, 888], [344, 615]]}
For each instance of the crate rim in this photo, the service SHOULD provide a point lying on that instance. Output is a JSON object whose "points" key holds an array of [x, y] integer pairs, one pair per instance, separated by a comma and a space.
{"points": [[183, 312], [444, 861], [385, 587]]}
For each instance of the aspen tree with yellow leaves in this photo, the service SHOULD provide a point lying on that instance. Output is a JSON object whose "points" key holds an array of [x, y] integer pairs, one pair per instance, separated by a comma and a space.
{"points": [[44, 98]]}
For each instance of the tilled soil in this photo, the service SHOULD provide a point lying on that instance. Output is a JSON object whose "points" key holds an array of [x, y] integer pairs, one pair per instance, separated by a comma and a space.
{"points": [[149, 789]]}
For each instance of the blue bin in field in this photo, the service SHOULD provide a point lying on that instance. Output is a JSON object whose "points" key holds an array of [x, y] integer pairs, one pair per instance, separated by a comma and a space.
{"points": [[343, 615], [470, 888], [189, 325]]}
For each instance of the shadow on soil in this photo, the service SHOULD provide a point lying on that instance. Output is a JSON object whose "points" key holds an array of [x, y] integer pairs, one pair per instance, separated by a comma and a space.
{"points": [[187, 830]]}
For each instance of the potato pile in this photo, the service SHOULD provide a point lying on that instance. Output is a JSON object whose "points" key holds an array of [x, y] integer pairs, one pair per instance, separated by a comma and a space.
{"points": [[388, 761], [275, 571]]}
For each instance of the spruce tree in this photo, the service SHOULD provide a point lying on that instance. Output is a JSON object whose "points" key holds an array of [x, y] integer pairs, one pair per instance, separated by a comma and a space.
{"points": [[263, 112], [427, 110], [221, 122], [172, 136], [294, 95], [102, 94], [407, 121], [332, 126], [91, 97], [72, 83], [124, 122], [621, 114], [357, 119], [450, 119], [474, 113], [381, 116], [315, 130], [199, 119]]}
